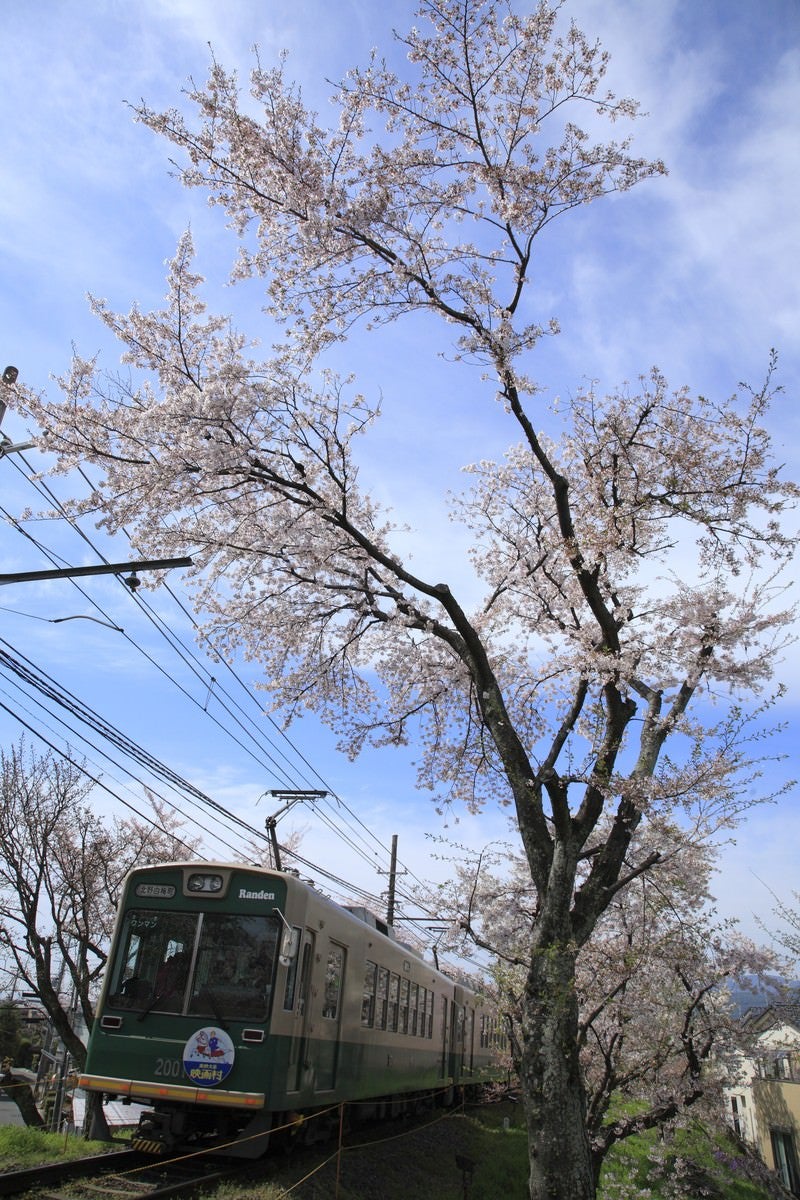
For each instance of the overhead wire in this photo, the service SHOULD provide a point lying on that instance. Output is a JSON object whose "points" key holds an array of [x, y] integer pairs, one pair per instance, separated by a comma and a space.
{"points": [[148, 786], [174, 641], [349, 888], [44, 683], [47, 492], [94, 779], [20, 705], [50, 496], [208, 680], [317, 777]]}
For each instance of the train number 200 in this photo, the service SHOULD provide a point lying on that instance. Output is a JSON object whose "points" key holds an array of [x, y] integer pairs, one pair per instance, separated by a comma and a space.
{"points": [[169, 1068]]}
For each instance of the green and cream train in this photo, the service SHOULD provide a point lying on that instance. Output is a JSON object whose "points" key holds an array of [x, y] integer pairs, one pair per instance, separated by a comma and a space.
{"points": [[237, 1000]]}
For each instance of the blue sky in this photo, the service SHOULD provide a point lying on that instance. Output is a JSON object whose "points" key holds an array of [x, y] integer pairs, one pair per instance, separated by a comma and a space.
{"points": [[696, 273]]}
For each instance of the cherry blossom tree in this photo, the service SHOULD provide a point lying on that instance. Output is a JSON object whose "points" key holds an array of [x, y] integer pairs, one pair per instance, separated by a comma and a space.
{"points": [[61, 872], [657, 1023], [787, 933], [627, 544]]}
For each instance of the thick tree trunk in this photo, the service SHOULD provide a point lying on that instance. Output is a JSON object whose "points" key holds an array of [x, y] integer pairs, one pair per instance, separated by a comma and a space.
{"points": [[552, 1081], [22, 1094], [95, 1125]]}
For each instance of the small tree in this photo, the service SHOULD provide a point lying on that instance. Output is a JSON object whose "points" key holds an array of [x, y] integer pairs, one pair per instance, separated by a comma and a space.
{"points": [[626, 545], [61, 870]]}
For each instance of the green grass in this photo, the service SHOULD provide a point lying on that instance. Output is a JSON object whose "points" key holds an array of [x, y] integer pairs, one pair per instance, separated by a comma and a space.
{"points": [[696, 1162], [407, 1165], [394, 1164], [21, 1146]]}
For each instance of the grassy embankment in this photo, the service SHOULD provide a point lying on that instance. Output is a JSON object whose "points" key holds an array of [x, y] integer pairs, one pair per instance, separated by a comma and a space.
{"points": [[423, 1163]]}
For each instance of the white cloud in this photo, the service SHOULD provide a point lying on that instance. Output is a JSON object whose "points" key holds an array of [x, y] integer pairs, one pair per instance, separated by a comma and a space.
{"points": [[695, 272]]}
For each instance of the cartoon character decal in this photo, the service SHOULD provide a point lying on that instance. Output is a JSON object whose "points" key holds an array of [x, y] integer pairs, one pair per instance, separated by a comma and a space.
{"points": [[208, 1056]]}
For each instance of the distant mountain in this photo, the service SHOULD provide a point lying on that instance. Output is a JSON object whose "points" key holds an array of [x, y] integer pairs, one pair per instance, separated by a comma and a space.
{"points": [[754, 991]]}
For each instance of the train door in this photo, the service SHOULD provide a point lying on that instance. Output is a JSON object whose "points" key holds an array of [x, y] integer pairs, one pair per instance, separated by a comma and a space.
{"points": [[297, 1049], [328, 1046], [458, 1042], [469, 1042], [445, 1037]]}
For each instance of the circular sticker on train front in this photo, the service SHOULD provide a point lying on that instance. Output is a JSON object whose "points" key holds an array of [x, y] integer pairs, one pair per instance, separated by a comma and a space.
{"points": [[208, 1057]]}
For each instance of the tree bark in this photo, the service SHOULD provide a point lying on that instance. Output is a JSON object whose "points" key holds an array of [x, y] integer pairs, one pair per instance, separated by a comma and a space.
{"points": [[552, 1081], [22, 1095], [95, 1126]]}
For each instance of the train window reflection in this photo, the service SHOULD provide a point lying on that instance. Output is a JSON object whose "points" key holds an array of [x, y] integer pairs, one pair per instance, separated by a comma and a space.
{"points": [[235, 966], [394, 1001], [151, 967], [291, 977], [382, 998], [215, 964], [333, 982], [368, 1001]]}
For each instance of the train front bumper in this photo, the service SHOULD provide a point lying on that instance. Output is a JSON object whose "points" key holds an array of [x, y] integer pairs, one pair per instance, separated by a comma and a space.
{"points": [[142, 1092]]}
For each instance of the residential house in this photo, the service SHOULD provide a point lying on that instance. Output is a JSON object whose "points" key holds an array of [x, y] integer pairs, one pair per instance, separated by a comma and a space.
{"points": [[763, 1103]]}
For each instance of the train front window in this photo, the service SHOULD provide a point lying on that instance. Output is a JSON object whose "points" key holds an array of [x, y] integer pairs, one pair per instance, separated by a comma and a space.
{"points": [[151, 967], [213, 964], [235, 966]]}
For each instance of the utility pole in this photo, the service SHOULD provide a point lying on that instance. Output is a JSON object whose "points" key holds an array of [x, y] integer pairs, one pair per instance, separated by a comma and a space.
{"points": [[392, 882]]}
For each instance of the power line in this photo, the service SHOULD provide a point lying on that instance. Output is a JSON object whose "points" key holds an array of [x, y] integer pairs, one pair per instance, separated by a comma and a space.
{"points": [[97, 781], [35, 677], [334, 821], [81, 737]]}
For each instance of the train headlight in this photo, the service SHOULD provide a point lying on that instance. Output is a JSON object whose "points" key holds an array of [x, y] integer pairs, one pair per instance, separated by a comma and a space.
{"points": [[198, 882]]}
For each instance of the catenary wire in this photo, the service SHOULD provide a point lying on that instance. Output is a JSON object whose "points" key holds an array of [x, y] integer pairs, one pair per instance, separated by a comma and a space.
{"points": [[42, 682], [35, 677], [95, 780], [87, 742], [47, 493], [331, 823]]}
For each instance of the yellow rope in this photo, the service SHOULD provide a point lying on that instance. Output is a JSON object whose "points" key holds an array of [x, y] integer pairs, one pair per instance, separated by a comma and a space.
{"points": [[224, 1145], [289, 1190], [406, 1133]]}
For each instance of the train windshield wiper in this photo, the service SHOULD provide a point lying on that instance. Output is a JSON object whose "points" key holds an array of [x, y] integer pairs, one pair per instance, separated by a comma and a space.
{"points": [[156, 1000], [216, 1007]]}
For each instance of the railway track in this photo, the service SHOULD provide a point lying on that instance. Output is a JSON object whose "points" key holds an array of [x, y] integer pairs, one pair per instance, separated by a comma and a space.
{"points": [[126, 1175]]}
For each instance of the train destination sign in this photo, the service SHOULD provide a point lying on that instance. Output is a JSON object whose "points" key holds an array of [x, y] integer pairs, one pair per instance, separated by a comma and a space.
{"points": [[158, 891]]}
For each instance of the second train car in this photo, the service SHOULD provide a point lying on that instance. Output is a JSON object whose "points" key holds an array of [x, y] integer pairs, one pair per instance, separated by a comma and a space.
{"points": [[236, 999]]}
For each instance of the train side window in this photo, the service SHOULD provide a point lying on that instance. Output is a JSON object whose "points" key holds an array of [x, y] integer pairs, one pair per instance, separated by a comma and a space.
{"points": [[424, 1003], [431, 1003], [334, 973], [414, 1004], [404, 992], [461, 1034], [383, 998], [290, 991], [394, 1001], [368, 1002]]}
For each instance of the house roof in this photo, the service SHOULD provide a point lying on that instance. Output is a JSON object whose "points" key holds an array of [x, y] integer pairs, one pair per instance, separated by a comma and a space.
{"points": [[770, 1016]]}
